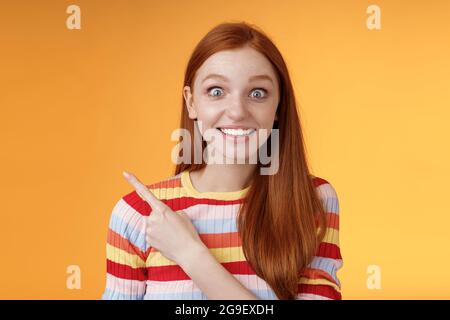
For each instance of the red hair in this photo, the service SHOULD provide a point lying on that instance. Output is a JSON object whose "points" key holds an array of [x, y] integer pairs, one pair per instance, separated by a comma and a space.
{"points": [[282, 220]]}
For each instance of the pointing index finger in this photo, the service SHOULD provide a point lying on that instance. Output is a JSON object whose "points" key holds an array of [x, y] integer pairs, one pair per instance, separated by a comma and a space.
{"points": [[154, 202]]}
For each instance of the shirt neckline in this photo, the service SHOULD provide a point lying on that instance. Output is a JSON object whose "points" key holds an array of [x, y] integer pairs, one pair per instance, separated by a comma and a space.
{"points": [[217, 195]]}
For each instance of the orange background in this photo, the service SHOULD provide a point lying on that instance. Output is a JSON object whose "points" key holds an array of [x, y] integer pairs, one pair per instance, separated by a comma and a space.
{"points": [[80, 106]]}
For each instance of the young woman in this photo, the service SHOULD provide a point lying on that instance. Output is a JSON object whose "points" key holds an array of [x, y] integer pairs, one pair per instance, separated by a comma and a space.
{"points": [[224, 230]]}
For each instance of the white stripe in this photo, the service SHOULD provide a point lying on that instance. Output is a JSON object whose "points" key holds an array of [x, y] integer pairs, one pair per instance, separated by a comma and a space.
{"points": [[311, 296]]}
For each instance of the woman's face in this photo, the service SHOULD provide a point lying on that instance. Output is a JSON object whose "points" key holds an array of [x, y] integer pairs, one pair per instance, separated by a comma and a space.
{"points": [[234, 99]]}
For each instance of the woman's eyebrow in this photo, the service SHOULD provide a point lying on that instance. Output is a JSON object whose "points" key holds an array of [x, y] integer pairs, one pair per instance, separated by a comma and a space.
{"points": [[257, 77]]}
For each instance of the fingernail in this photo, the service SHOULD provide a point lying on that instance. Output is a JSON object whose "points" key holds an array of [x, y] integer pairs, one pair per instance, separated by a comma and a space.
{"points": [[126, 174]]}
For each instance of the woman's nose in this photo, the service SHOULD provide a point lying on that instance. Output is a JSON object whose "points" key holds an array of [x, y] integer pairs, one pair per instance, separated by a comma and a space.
{"points": [[237, 110]]}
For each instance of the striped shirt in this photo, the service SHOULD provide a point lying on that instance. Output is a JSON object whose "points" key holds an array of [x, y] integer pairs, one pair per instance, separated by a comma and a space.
{"points": [[136, 271]]}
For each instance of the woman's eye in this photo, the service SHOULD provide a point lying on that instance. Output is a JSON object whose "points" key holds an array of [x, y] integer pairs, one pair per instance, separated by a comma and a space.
{"points": [[260, 92], [264, 91], [216, 89]]}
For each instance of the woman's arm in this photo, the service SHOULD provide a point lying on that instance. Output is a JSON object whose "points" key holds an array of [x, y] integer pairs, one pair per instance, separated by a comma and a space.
{"points": [[212, 278], [208, 274], [125, 252]]}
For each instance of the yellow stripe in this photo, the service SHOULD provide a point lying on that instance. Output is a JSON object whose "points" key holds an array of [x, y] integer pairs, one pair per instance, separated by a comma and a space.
{"points": [[120, 256], [169, 193], [320, 281], [192, 192], [332, 236], [177, 192], [223, 255]]}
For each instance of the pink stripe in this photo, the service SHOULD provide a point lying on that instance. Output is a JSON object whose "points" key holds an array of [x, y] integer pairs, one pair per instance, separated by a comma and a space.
{"points": [[124, 286], [129, 215], [216, 212], [252, 282]]}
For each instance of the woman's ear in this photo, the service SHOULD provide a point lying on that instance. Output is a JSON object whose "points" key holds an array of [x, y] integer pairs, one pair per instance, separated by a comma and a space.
{"points": [[189, 101]]}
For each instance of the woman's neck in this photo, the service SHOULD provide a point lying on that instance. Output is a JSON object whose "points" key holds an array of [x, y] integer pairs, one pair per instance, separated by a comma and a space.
{"points": [[223, 177]]}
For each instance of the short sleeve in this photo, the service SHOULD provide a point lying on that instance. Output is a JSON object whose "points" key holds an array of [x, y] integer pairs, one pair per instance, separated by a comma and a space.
{"points": [[320, 280], [126, 253]]}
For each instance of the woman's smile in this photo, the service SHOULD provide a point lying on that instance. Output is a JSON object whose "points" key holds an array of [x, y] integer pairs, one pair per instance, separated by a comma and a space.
{"points": [[237, 134]]}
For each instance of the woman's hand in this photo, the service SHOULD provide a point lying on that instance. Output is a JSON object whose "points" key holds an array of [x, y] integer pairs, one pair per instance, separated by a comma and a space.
{"points": [[172, 233]]}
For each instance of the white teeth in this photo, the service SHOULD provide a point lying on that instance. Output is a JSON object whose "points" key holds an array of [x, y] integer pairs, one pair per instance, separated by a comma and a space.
{"points": [[237, 132]]}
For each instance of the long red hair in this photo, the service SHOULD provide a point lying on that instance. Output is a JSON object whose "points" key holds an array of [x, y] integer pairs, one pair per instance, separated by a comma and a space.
{"points": [[282, 220]]}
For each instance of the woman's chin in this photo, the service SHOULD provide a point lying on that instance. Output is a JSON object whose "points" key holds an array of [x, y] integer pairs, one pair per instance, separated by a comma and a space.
{"points": [[247, 158]]}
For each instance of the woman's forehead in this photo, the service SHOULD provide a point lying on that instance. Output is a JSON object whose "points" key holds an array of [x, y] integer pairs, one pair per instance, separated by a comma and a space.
{"points": [[239, 58], [229, 65]]}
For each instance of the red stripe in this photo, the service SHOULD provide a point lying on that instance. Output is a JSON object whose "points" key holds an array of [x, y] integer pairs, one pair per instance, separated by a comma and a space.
{"points": [[166, 184], [125, 272], [175, 272], [332, 220], [117, 241], [141, 206], [319, 289], [317, 181], [329, 250], [221, 240]]}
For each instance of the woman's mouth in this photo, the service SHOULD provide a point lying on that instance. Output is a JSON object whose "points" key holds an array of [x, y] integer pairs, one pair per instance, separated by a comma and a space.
{"points": [[236, 133]]}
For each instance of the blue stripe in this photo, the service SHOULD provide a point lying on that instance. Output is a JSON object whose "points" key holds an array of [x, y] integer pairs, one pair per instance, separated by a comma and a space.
{"points": [[114, 295], [331, 205], [215, 225], [198, 295], [128, 231], [326, 264]]}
